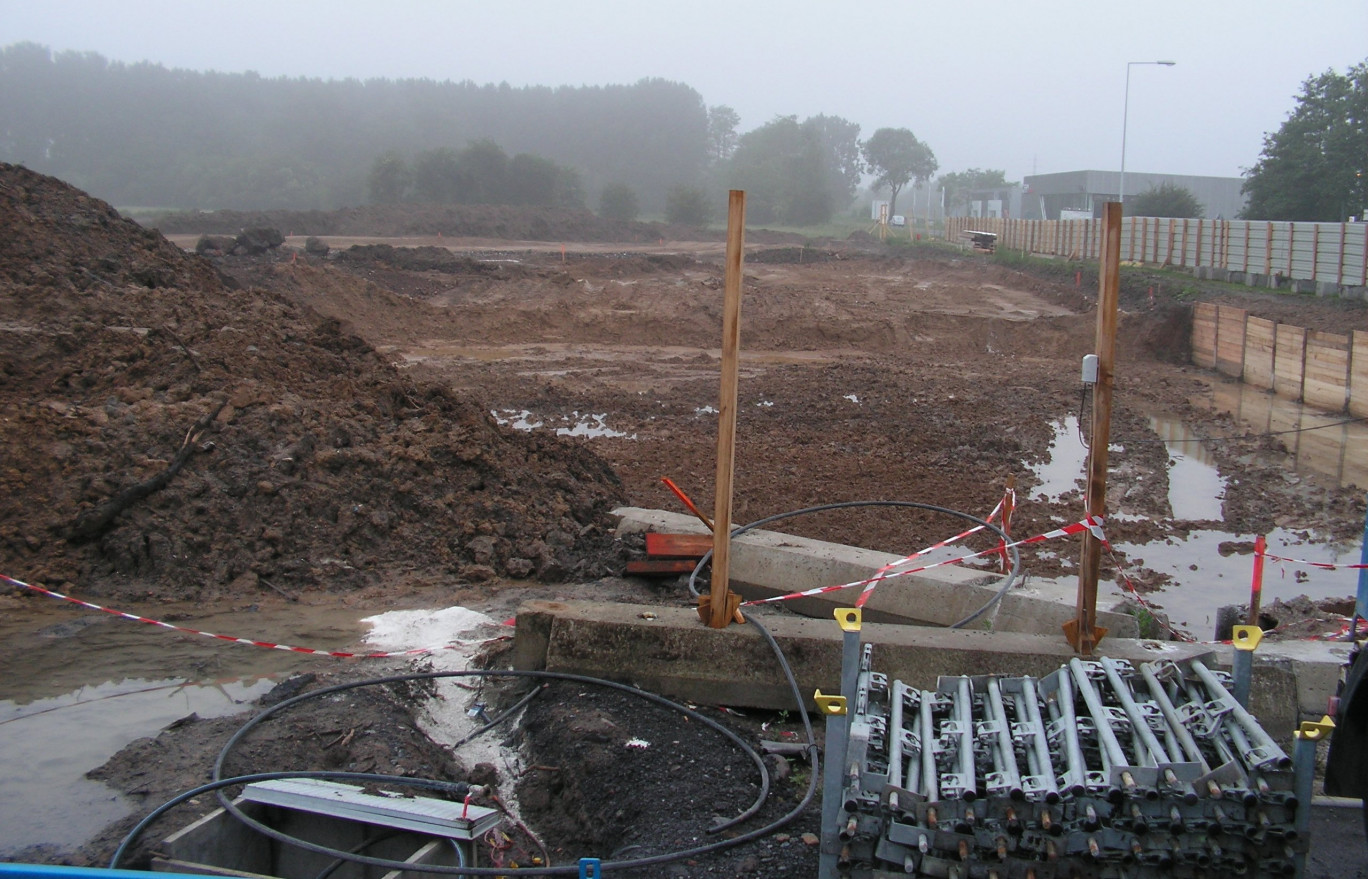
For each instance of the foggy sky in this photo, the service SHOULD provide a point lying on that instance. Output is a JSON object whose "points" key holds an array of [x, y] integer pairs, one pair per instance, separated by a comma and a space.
{"points": [[1022, 86]]}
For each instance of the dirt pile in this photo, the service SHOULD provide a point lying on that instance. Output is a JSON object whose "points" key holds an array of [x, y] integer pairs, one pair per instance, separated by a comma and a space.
{"points": [[166, 432]]}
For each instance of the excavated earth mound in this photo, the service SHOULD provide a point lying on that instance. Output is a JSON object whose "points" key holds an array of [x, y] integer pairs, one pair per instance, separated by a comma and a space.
{"points": [[168, 433]]}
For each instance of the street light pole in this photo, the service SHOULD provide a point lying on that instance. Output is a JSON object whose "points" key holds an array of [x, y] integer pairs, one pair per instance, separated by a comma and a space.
{"points": [[1125, 117]]}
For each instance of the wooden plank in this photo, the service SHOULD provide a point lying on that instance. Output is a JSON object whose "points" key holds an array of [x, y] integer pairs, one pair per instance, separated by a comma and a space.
{"points": [[1289, 361], [1326, 385], [660, 567], [1230, 339], [1358, 375], [678, 546], [1204, 335], [1260, 343]]}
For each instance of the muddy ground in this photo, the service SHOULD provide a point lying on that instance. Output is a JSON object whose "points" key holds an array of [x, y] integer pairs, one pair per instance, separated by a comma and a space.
{"points": [[295, 425]]}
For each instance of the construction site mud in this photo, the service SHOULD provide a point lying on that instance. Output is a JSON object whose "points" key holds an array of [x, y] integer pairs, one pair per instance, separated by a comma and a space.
{"points": [[234, 430]]}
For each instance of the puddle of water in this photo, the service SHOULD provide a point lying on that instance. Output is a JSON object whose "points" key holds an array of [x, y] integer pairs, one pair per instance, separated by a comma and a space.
{"points": [[1202, 578], [1195, 487], [49, 744], [589, 425], [1208, 580], [1333, 448], [1062, 471], [77, 685]]}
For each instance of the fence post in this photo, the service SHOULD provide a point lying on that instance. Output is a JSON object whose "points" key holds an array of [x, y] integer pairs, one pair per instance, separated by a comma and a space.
{"points": [[1246, 253], [1315, 251], [1268, 250], [1339, 272], [1291, 245]]}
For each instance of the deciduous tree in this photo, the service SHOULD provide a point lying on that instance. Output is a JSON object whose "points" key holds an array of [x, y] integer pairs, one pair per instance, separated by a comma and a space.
{"points": [[1165, 200], [1315, 167], [619, 202], [896, 157], [687, 206]]}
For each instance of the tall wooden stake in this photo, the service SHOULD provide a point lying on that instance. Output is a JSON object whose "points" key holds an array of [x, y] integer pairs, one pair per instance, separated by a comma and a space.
{"points": [[722, 601], [1082, 631]]}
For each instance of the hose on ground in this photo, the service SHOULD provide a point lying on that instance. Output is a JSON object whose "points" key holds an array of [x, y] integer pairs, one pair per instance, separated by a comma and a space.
{"points": [[1007, 581]]}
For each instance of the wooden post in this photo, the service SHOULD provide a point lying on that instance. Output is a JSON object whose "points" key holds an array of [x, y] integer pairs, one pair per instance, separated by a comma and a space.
{"points": [[1248, 225], [722, 601], [1291, 246], [1082, 631], [1173, 231], [1182, 257], [1268, 249]]}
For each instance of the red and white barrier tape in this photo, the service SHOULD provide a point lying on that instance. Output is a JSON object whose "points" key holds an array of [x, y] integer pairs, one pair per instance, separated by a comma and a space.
{"points": [[248, 641], [882, 573], [1092, 524], [1325, 566]]}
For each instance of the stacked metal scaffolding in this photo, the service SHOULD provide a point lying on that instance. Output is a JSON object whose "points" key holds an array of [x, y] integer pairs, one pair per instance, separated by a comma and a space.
{"points": [[1099, 769]]}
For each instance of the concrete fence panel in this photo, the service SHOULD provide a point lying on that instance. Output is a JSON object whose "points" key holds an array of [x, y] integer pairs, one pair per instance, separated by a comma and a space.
{"points": [[1358, 375], [1326, 385], [1260, 338], [1289, 361], [1230, 340], [1204, 335]]}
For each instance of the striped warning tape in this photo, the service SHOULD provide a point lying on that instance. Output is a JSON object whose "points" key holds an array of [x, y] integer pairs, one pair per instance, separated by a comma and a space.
{"points": [[251, 642], [1091, 524], [883, 572], [1325, 566]]}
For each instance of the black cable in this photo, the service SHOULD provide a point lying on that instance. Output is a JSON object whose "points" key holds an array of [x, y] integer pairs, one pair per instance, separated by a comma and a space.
{"points": [[821, 508], [485, 871], [460, 869], [498, 720]]}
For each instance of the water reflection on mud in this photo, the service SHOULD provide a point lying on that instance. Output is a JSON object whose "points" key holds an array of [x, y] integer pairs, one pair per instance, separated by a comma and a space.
{"points": [[1326, 443]]}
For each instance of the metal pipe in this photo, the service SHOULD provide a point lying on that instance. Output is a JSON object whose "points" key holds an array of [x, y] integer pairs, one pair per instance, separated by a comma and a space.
{"points": [[1175, 723], [1276, 756], [1008, 764], [1076, 771], [929, 787], [964, 711], [1045, 768], [1111, 748], [1139, 723], [895, 742]]}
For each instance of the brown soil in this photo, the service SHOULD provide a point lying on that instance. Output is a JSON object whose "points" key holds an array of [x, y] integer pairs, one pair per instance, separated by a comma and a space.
{"points": [[355, 450]]}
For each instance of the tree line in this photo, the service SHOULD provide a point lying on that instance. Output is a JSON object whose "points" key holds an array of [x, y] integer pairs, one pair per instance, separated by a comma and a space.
{"points": [[144, 135]]}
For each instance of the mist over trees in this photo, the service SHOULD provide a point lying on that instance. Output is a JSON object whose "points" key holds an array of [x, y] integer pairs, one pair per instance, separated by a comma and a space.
{"points": [[896, 158], [144, 135], [1315, 167], [797, 173]]}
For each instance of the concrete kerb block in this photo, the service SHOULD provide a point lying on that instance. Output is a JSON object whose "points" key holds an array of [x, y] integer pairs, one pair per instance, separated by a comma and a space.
{"points": [[767, 564], [667, 650]]}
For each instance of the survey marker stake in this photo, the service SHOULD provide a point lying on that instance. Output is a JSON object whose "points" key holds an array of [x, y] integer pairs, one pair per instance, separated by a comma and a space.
{"points": [[719, 607], [679, 493], [1082, 631]]}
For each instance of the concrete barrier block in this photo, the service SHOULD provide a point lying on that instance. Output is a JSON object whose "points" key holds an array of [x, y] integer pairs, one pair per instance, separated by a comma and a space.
{"points": [[670, 651]]}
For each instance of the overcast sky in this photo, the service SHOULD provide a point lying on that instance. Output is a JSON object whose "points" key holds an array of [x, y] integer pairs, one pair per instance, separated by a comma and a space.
{"points": [[1021, 86]]}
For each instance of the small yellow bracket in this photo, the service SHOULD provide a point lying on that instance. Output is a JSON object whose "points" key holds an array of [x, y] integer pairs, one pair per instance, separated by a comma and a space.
{"points": [[1315, 730], [849, 618], [1246, 637], [829, 705]]}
